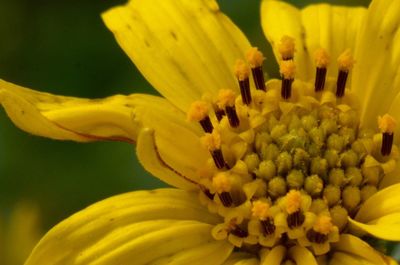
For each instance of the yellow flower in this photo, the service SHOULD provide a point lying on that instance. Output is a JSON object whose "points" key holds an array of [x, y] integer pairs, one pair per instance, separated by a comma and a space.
{"points": [[289, 170]]}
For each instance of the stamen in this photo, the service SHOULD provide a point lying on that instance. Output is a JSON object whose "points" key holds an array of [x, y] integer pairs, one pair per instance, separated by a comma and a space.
{"points": [[237, 231], [268, 226], [242, 73], [286, 48], [316, 237], [321, 229], [198, 111], [212, 141], [387, 125], [345, 62], [287, 70], [293, 201], [226, 99], [255, 59], [321, 61], [222, 185], [260, 210], [295, 219], [219, 113]]}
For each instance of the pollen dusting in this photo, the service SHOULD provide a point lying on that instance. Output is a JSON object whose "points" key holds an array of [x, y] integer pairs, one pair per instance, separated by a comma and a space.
{"points": [[198, 111], [289, 163], [321, 58], [287, 69], [323, 225], [386, 123], [212, 141], [221, 182], [293, 201], [242, 71], [345, 61], [260, 210], [226, 97], [255, 57], [286, 48]]}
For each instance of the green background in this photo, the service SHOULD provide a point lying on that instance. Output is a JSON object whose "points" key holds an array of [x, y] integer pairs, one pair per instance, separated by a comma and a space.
{"points": [[63, 47]]}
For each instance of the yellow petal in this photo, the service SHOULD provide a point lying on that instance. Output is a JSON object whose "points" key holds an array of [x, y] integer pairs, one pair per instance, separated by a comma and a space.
{"points": [[274, 256], [279, 19], [382, 203], [386, 227], [394, 111], [241, 258], [391, 178], [117, 118], [184, 48], [139, 226], [149, 156], [376, 78], [302, 256], [333, 28], [352, 245], [340, 258]]}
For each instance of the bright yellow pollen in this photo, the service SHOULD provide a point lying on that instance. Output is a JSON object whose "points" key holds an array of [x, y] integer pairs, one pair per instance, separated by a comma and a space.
{"points": [[226, 97], [286, 47], [323, 225], [241, 70], [254, 57], [260, 210], [221, 182], [293, 201], [321, 58], [212, 141], [345, 61], [197, 111], [287, 69], [386, 123]]}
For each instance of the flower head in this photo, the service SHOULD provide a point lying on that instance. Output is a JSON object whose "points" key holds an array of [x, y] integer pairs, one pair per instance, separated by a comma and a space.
{"points": [[288, 170]]}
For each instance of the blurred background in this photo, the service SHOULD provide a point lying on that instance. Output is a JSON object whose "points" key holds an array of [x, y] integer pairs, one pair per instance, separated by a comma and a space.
{"points": [[63, 47]]}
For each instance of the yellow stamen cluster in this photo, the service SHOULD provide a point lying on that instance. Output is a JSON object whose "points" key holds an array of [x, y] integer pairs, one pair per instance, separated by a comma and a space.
{"points": [[323, 225], [286, 47], [255, 57], [221, 182], [291, 167], [321, 58], [287, 69], [226, 97], [386, 123], [260, 210], [345, 61], [198, 111], [212, 141], [293, 201], [242, 71]]}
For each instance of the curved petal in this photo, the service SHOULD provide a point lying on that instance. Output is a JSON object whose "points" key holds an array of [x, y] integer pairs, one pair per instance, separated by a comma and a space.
{"points": [[114, 118], [340, 258], [376, 75], [386, 227], [184, 48], [149, 156], [241, 258], [274, 256], [334, 28], [302, 256], [391, 178], [143, 226], [357, 248], [382, 203]]}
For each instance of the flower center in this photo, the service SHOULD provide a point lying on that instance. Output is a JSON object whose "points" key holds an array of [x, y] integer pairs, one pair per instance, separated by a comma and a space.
{"points": [[289, 161]]}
